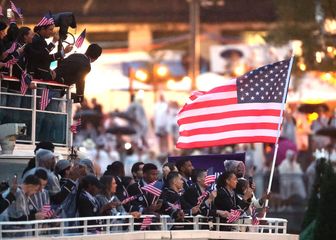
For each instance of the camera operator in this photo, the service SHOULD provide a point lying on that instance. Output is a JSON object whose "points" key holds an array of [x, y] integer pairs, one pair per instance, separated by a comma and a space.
{"points": [[73, 69]]}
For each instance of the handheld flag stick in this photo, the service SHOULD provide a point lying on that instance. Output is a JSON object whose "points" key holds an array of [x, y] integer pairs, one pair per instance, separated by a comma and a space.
{"points": [[278, 135]]}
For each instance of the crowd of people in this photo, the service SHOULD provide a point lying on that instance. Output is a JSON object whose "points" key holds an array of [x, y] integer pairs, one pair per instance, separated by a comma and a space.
{"points": [[75, 189]]}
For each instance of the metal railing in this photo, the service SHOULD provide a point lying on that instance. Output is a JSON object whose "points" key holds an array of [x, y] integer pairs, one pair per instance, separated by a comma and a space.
{"points": [[126, 223], [59, 120]]}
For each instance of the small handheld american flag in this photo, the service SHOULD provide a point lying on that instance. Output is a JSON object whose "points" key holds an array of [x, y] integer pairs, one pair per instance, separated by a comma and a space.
{"points": [[25, 81], [152, 189], [202, 197], [80, 39], [255, 220], [74, 128], [11, 62], [46, 97], [146, 223], [15, 9], [47, 211], [12, 48], [210, 179], [127, 200], [234, 216]]}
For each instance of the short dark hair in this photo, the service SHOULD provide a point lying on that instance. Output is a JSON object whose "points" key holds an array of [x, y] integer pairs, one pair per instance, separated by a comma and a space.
{"points": [[31, 179], [136, 167], [242, 184], [106, 181], [93, 51], [22, 32], [41, 174], [44, 145], [90, 180], [39, 28], [170, 165], [221, 180], [181, 163], [148, 167], [196, 173], [115, 169], [171, 176]]}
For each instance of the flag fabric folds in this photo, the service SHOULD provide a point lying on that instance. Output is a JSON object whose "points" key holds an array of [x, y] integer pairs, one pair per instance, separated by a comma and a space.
{"points": [[202, 197], [152, 189], [47, 211], [127, 200], [12, 48], [46, 21], [74, 128], [25, 82], [210, 179], [255, 220], [80, 39], [246, 109], [234, 216], [11, 62], [46, 97], [146, 223], [15, 9]]}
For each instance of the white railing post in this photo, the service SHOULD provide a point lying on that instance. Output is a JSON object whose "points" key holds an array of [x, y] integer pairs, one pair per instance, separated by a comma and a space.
{"points": [[164, 226], [196, 221], [62, 229], [36, 229], [217, 223], [34, 105], [131, 226], [285, 227], [85, 230]]}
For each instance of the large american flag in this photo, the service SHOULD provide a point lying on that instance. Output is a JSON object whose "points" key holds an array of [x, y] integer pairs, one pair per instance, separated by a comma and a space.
{"points": [[246, 109], [80, 39]]}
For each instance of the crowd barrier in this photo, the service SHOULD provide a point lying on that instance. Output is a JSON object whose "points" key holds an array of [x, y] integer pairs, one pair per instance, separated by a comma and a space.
{"points": [[126, 223]]}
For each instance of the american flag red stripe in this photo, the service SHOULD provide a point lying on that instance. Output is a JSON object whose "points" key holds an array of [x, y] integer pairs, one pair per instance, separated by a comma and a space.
{"points": [[127, 200], [47, 211], [24, 85], [210, 179], [44, 99], [12, 48], [202, 197], [152, 189], [74, 128], [1, 11], [234, 216], [14, 9], [146, 223], [80, 39], [222, 116], [255, 220], [11, 62]]}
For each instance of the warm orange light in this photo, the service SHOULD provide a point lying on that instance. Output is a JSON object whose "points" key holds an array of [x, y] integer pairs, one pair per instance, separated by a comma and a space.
{"points": [[162, 71], [141, 75], [302, 67], [240, 70]]}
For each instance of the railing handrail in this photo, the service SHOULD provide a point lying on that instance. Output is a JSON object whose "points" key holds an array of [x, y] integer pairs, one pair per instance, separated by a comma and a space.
{"points": [[38, 81]]}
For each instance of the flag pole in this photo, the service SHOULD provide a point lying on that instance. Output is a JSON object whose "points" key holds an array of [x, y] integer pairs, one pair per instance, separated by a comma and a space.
{"points": [[278, 134]]}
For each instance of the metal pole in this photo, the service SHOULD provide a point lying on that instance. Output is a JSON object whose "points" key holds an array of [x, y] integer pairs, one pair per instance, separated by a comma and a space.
{"points": [[195, 41]]}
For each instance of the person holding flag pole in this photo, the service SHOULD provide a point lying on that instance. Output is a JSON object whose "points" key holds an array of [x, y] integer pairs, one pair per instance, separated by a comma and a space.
{"points": [[243, 110]]}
